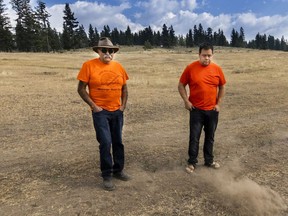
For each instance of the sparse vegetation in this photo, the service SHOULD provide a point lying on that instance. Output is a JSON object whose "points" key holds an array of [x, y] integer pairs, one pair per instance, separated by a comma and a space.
{"points": [[49, 155]]}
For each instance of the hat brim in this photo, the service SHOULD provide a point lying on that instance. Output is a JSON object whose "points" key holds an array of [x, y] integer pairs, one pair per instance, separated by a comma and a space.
{"points": [[115, 48]]}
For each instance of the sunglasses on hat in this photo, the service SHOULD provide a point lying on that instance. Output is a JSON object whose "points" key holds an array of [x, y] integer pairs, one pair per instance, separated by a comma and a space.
{"points": [[109, 50]]}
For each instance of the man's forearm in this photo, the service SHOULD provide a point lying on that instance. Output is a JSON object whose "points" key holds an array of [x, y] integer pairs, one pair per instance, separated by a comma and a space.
{"points": [[84, 94], [124, 96], [183, 92], [221, 94]]}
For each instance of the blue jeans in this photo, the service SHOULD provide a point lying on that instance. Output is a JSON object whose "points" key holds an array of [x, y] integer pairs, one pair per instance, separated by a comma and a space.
{"points": [[199, 119], [108, 126]]}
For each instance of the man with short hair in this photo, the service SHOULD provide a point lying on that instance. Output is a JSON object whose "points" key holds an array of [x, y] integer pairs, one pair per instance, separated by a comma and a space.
{"points": [[206, 90], [107, 98]]}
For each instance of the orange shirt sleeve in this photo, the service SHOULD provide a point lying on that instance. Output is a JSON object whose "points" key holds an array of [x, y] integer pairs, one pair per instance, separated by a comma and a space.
{"points": [[84, 73]]}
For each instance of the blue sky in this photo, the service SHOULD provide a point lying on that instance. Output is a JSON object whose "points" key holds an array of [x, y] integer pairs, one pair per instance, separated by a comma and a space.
{"points": [[268, 17]]}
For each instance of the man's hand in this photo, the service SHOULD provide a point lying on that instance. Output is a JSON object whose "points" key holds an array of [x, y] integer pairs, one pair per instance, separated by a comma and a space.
{"points": [[96, 109], [122, 108], [189, 106], [217, 108]]}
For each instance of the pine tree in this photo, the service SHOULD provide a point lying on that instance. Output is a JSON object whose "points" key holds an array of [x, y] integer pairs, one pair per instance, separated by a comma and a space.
{"points": [[222, 41], [261, 41], [271, 42], [129, 36], [81, 39], [172, 37], [55, 39], [234, 38], [201, 34], [241, 38], [157, 38], [91, 36], [189, 39], [198, 34], [26, 27], [147, 36], [42, 17], [118, 37], [165, 39], [209, 35], [70, 25], [97, 36], [181, 41], [106, 32], [6, 41], [277, 44]]}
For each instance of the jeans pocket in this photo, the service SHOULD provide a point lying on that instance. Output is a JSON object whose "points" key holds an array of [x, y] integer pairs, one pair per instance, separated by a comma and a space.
{"points": [[96, 113]]}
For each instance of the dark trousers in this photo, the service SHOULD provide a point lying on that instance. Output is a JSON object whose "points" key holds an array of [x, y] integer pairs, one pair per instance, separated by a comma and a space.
{"points": [[198, 120], [108, 126]]}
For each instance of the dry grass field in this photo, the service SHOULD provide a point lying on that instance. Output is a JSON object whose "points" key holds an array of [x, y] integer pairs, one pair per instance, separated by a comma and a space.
{"points": [[49, 161]]}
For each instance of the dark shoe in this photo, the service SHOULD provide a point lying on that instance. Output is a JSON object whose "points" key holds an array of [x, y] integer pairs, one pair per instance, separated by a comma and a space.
{"points": [[108, 184], [213, 165], [122, 176]]}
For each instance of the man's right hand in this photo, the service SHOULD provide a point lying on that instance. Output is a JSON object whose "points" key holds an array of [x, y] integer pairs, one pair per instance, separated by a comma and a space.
{"points": [[97, 109], [189, 106]]}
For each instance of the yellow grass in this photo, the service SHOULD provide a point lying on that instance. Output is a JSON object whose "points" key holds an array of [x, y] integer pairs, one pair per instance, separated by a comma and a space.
{"points": [[49, 156]]}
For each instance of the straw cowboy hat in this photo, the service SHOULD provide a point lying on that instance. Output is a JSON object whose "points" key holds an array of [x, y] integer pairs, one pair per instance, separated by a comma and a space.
{"points": [[105, 42]]}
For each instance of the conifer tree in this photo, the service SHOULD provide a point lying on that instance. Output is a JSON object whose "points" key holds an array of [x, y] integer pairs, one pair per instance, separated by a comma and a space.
{"points": [[181, 41], [165, 37], [241, 38], [81, 39], [118, 37], [198, 34], [26, 26], [55, 39], [6, 41], [91, 36], [157, 38], [222, 41], [106, 32], [172, 37], [42, 18], [271, 42], [234, 38], [70, 25], [128, 36], [209, 35], [283, 44], [189, 39]]}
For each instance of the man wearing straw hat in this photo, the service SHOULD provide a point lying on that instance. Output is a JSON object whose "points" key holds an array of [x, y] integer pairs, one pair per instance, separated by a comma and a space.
{"points": [[107, 98]]}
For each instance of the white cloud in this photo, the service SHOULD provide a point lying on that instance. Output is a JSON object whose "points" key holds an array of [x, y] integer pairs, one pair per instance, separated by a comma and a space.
{"points": [[276, 25], [96, 14], [154, 13], [189, 4], [186, 20]]}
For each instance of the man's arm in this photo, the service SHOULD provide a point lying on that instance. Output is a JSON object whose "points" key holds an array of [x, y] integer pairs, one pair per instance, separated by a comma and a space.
{"points": [[220, 96], [85, 96], [183, 94], [124, 97]]}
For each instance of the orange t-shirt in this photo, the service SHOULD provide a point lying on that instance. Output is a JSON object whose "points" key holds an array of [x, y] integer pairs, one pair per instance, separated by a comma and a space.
{"points": [[105, 82], [203, 83]]}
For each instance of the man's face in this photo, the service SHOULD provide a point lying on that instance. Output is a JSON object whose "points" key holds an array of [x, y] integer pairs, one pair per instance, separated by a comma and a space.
{"points": [[205, 57], [106, 54]]}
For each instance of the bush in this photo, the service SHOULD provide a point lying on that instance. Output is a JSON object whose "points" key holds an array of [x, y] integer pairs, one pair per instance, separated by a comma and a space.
{"points": [[147, 45]]}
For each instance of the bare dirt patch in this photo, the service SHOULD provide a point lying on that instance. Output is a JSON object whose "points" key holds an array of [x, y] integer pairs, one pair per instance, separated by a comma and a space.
{"points": [[49, 156]]}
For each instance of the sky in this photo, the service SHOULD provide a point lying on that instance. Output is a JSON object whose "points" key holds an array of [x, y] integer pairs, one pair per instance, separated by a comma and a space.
{"points": [[268, 17]]}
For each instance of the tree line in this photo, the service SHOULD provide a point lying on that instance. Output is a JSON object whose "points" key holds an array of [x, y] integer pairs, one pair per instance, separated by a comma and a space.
{"points": [[33, 33]]}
